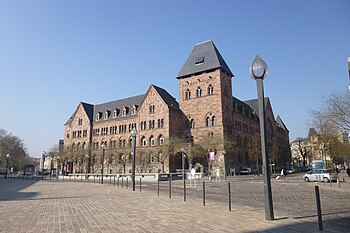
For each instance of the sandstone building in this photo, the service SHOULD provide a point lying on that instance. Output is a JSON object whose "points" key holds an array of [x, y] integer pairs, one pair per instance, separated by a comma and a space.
{"points": [[207, 120]]}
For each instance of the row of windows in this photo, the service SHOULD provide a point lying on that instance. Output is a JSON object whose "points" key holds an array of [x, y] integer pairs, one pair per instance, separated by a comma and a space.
{"points": [[122, 159], [79, 134], [210, 121], [79, 146], [151, 124], [244, 127], [245, 111], [113, 129], [199, 92], [106, 115], [116, 113], [123, 143]]}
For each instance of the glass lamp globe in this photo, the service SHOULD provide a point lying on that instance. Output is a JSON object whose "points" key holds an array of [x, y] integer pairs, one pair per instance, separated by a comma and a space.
{"points": [[258, 68]]}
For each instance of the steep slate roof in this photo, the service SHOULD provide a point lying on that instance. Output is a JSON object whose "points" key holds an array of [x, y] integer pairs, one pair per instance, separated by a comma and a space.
{"points": [[281, 123], [254, 104], [242, 103], [89, 109], [119, 104], [168, 99], [204, 56]]}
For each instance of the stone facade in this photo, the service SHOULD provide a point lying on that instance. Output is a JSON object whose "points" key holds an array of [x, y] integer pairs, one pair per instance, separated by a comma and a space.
{"points": [[206, 119]]}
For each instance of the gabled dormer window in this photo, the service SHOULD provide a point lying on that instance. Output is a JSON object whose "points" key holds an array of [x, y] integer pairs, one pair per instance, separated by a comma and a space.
{"points": [[134, 109], [115, 113], [125, 111], [107, 113], [98, 116]]}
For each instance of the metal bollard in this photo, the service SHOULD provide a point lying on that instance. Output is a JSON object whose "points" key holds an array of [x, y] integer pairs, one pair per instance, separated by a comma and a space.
{"points": [[338, 181], [110, 179], [170, 186], [204, 193], [229, 196], [319, 211], [122, 182], [114, 181], [184, 190], [118, 182], [158, 188], [127, 182], [81, 179], [94, 178]]}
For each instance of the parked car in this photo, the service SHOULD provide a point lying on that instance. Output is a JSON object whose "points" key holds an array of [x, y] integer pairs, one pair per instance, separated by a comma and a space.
{"points": [[245, 171], [290, 170], [325, 175]]}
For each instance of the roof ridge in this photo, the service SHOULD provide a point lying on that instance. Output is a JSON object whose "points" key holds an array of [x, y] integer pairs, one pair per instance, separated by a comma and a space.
{"points": [[205, 42]]}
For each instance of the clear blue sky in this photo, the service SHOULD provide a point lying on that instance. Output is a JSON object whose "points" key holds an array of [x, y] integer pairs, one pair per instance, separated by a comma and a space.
{"points": [[54, 54]]}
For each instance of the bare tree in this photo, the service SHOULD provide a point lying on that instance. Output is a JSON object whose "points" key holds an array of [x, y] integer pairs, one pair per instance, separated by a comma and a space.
{"points": [[254, 149], [335, 113]]}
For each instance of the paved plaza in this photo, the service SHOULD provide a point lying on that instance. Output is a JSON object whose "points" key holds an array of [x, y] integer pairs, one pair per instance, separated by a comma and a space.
{"points": [[57, 206]]}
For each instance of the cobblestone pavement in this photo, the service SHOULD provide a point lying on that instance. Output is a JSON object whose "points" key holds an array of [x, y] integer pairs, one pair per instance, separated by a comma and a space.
{"points": [[50, 206]]}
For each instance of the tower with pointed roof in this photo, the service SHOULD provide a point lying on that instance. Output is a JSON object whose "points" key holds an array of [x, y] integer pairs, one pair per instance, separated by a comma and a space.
{"points": [[206, 91]]}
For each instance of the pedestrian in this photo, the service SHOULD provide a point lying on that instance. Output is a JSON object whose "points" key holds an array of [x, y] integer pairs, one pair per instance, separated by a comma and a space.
{"points": [[348, 171], [282, 173]]}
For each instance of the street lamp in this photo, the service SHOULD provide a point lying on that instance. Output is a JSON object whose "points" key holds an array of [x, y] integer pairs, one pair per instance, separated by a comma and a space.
{"points": [[7, 164], [103, 146], [224, 155], [258, 71], [183, 163], [133, 135], [51, 166], [87, 165], [58, 166]]}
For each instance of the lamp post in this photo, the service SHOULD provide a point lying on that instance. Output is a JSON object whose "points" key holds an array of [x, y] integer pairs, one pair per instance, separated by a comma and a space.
{"points": [[224, 155], [183, 163], [58, 166], [258, 71], [51, 166], [87, 165], [133, 135], [103, 146], [7, 164]]}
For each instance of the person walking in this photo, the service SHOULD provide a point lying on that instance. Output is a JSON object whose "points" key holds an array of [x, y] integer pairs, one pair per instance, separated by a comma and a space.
{"points": [[282, 173]]}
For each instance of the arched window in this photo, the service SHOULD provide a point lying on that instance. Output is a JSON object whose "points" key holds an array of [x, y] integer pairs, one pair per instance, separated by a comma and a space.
{"points": [[188, 94], [143, 141], [210, 90], [192, 124], [199, 92], [152, 159], [151, 141], [210, 135], [160, 140], [208, 120]]}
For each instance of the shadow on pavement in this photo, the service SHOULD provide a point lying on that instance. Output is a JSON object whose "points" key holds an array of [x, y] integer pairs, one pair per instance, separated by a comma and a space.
{"points": [[11, 189], [331, 225]]}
